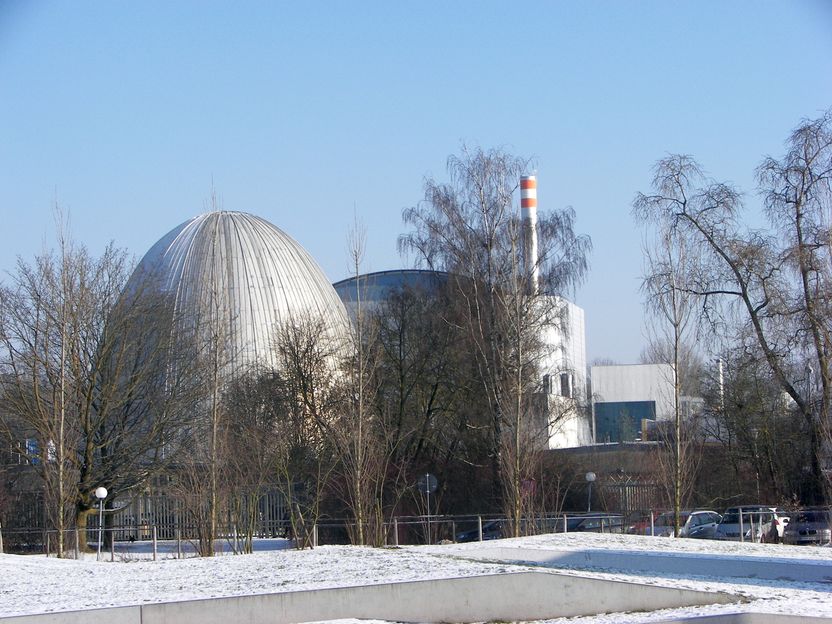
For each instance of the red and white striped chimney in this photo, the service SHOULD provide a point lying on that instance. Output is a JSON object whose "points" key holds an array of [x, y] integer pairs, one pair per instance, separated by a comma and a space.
{"points": [[528, 212]]}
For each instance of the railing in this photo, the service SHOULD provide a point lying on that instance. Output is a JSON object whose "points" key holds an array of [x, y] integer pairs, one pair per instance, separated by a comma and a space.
{"points": [[176, 541]]}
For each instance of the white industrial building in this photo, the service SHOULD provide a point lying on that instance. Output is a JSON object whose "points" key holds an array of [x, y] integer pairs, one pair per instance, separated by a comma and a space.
{"points": [[564, 380], [625, 396], [564, 371]]}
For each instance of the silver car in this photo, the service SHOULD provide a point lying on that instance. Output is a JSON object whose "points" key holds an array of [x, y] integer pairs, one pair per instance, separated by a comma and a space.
{"points": [[700, 523], [809, 526], [751, 523]]}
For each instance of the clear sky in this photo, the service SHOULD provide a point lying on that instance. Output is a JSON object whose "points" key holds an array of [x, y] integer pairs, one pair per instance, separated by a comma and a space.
{"points": [[126, 113]]}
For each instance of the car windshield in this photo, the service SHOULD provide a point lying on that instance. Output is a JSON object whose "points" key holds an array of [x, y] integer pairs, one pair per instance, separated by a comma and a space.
{"points": [[592, 521], [814, 516], [747, 517]]}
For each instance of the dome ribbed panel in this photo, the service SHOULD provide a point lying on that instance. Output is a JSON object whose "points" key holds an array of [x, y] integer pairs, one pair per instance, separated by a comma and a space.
{"points": [[239, 276]]}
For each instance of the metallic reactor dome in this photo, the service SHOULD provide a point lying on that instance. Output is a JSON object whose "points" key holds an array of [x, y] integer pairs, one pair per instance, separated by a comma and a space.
{"points": [[249, 276]]}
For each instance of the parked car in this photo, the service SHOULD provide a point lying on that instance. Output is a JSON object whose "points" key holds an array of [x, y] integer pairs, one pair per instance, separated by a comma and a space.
{"points": [[752, 523], [698, 523], [809, 526], [590, 522], [493, 529]]}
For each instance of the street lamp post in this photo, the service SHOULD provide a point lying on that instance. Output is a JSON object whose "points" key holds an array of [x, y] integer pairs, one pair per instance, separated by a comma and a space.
{"points": [[100, 494], [590, 477]]}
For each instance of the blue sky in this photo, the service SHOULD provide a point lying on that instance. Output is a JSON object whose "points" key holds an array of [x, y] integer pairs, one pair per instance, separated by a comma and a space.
{"points": [[126, 113]]}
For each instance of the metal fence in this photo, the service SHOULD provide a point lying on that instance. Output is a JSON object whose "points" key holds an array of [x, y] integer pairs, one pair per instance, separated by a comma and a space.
{"points": [[180, 540]]}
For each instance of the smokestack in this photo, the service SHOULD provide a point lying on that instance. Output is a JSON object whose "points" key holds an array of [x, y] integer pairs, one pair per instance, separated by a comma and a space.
{"points": [[528, 212]]}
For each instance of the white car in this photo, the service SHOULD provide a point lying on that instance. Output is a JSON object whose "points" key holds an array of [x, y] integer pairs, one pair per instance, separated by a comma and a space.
{"points": [[752, 523]]}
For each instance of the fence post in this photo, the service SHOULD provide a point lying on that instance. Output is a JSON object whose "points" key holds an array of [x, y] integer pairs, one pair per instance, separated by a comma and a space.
{"points": [[77, 544], [395, 531], [479, 527], [742, 529], [315, 535], [154, 542], [1, 538], [453, 530], [652, 526], [47, 544], [112, 545], [565, 522], [178, 543]]}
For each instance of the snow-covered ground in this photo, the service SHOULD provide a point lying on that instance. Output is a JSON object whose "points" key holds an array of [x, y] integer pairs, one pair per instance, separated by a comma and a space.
{"points": [[35, 584]]}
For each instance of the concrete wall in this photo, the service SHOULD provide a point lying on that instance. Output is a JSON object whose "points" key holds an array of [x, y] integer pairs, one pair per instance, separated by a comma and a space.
{"points": [[501, 597]]}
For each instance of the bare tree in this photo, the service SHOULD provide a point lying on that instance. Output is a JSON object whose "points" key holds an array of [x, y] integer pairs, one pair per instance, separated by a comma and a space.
{"points": [[764, 441], [426, 406], [468, 227], [358, 432], [307, 401], [667, 289], [777, 283], [84, 366], [797, 191]]}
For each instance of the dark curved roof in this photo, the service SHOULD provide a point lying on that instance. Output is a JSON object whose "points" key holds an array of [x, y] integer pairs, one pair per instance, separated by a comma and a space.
{"points": [[378, 286]]}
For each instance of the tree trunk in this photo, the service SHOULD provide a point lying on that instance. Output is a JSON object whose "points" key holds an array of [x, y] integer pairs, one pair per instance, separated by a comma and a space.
{"points": [[82, 515]]}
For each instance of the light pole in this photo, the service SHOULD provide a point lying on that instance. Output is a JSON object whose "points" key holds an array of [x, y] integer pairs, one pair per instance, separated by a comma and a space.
{"points": [[590, 477], [100, 494], [427, 484]]}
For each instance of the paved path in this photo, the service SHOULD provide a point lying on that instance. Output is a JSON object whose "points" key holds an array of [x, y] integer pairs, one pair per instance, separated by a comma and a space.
{"points": [[675, 564]]}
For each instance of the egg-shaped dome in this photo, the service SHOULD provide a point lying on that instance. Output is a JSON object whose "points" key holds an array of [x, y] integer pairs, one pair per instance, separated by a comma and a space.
{"points": [[238, 277]]}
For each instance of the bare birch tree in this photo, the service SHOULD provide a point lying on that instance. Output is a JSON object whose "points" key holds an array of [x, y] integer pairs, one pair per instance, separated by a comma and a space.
{"points": [[667, 289], [469, 228], [358, 432]]}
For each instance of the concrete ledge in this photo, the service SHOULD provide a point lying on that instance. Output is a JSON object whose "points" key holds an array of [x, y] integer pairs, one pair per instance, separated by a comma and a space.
{"points": [[680, 564], [500, 597], [752, 618], [114, 615]]}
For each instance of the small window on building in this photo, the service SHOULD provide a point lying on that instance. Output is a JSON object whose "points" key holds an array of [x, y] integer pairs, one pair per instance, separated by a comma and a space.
{"points": [[566, 385]]}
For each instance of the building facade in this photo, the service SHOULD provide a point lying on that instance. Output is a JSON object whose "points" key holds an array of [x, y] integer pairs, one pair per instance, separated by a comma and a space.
{"points": [[627, 398]]}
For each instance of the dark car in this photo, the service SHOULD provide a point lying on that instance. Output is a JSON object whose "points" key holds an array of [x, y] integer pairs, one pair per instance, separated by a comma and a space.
{"points": [[592, 523], [809, 526], [493, 529]]}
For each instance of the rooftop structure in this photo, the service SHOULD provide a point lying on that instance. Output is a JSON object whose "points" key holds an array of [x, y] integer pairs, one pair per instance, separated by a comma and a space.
{"points": [[239, 277], [376, 287]]}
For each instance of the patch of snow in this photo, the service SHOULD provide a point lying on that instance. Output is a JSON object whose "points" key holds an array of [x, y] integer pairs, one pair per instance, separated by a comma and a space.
{"points": [[36, 584]]}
